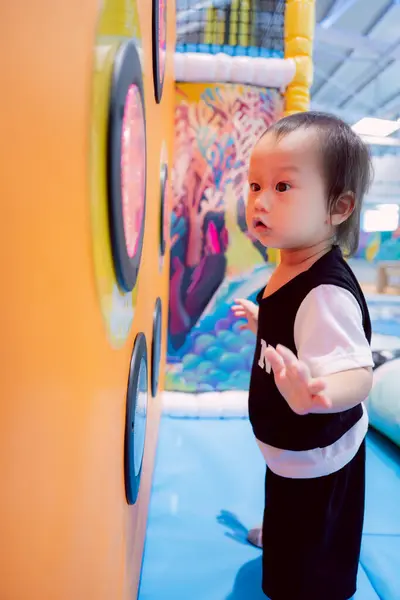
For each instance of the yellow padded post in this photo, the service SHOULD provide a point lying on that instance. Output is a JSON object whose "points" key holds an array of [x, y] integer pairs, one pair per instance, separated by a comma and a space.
{"points": [[244, 23], [299, 36], [220, 28], [209, 27], [234, 25], [214, 30]]}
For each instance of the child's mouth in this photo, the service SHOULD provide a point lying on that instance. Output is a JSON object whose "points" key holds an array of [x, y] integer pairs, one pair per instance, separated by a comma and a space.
{"points": [[260, 226]]}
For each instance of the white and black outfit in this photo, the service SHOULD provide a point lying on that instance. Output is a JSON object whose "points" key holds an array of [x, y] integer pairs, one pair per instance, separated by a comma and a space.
{"points": [[315, 482]]}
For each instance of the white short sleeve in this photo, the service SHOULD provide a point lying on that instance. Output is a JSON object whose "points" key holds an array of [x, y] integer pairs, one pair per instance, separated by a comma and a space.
{"points": [[329, 334]]}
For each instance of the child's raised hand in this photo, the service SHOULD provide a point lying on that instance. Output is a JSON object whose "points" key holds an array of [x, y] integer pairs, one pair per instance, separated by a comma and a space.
{"points": [[294, 381], [245, 309]]}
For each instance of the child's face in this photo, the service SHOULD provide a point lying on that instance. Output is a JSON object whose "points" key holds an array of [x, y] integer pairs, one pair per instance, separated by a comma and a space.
{"points": [[287, 207]]}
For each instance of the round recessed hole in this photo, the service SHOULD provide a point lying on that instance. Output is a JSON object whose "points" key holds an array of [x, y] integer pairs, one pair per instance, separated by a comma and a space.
{"points": [[163, 208], [126, 165], [159, 45], [156, 347], [136, 418]]}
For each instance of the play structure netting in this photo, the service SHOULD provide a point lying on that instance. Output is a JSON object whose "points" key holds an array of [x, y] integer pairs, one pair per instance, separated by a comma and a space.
{"points": [[126, 187]]}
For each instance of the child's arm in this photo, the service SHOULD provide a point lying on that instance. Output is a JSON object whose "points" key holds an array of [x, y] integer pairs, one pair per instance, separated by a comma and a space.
{"points": [[346, 389], [245, 309], [332, 371], [306, 394]]}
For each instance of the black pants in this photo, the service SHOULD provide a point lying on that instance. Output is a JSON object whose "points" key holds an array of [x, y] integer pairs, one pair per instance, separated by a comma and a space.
{"points": [[312, 534]]}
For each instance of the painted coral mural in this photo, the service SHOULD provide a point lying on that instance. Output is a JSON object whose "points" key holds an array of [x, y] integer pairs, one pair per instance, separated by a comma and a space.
{"points": [[213, 256]]}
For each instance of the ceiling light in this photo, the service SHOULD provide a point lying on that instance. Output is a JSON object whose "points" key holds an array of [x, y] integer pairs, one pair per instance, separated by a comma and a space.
{"points": [[375, 127], [384, 217]]}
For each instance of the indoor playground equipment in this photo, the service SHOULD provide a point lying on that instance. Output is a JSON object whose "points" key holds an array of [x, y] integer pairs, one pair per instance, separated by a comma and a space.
{"points": [[238, 67], [125, 186]]}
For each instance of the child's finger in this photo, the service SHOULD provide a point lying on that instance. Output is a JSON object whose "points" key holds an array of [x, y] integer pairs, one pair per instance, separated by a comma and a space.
{"points": [[238, 310], [321, 400], [240, 301], [316, 386], [286, 354], [276, 361], [302, 372], [294, 376], [244, 303]]}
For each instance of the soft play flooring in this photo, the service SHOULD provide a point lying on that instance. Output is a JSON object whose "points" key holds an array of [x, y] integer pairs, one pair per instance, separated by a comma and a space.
{"points": [[208, 490]]}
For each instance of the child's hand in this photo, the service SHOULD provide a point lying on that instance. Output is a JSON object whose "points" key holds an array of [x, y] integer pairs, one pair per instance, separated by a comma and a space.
{"points": [[294, 381], [244, 309]]}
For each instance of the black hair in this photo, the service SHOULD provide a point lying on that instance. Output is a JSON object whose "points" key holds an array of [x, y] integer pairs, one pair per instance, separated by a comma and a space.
{"points": [[346, 162]]}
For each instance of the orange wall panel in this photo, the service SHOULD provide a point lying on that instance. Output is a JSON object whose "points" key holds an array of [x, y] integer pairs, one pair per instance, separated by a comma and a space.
{"points": [[66, 529]]}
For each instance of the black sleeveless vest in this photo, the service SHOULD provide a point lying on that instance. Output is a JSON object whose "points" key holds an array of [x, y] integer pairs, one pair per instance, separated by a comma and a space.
{"points": [[272, 419]]}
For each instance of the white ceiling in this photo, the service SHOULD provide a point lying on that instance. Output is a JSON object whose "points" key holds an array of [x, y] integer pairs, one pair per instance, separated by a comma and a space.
{"points": [[357, 74], [357, 58]]}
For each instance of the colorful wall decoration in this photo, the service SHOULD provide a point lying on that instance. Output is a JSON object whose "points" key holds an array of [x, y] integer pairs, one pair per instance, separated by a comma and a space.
{"points": [[379, 245], [384, 196], [213, 257]]}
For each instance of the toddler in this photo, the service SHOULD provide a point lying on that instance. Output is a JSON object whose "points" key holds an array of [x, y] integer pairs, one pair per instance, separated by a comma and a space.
{"points": [[312, 368]]}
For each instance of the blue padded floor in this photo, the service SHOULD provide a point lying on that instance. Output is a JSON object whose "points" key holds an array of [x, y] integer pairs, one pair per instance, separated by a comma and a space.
{"points": [[207, 492]]}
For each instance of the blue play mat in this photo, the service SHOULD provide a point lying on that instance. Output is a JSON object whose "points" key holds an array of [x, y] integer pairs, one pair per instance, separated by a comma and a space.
{"points": [[207, 492]]}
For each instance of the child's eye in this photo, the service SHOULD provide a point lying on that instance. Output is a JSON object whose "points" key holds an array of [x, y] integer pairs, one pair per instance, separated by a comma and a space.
{"points": [[255, 187], [282, 187]]}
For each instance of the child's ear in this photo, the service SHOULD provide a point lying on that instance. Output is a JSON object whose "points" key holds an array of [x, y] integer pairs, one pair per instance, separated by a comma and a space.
{"points": [[343, 208]]}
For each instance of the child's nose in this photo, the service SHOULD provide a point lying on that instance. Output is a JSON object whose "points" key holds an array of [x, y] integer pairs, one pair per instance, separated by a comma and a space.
{"points": [[263, 202]]}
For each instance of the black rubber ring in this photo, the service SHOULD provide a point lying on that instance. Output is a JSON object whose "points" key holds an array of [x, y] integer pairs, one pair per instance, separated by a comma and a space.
{"points": [[136, 418], [156, 347], [127, 72], [163, 209], [158, 81]]}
